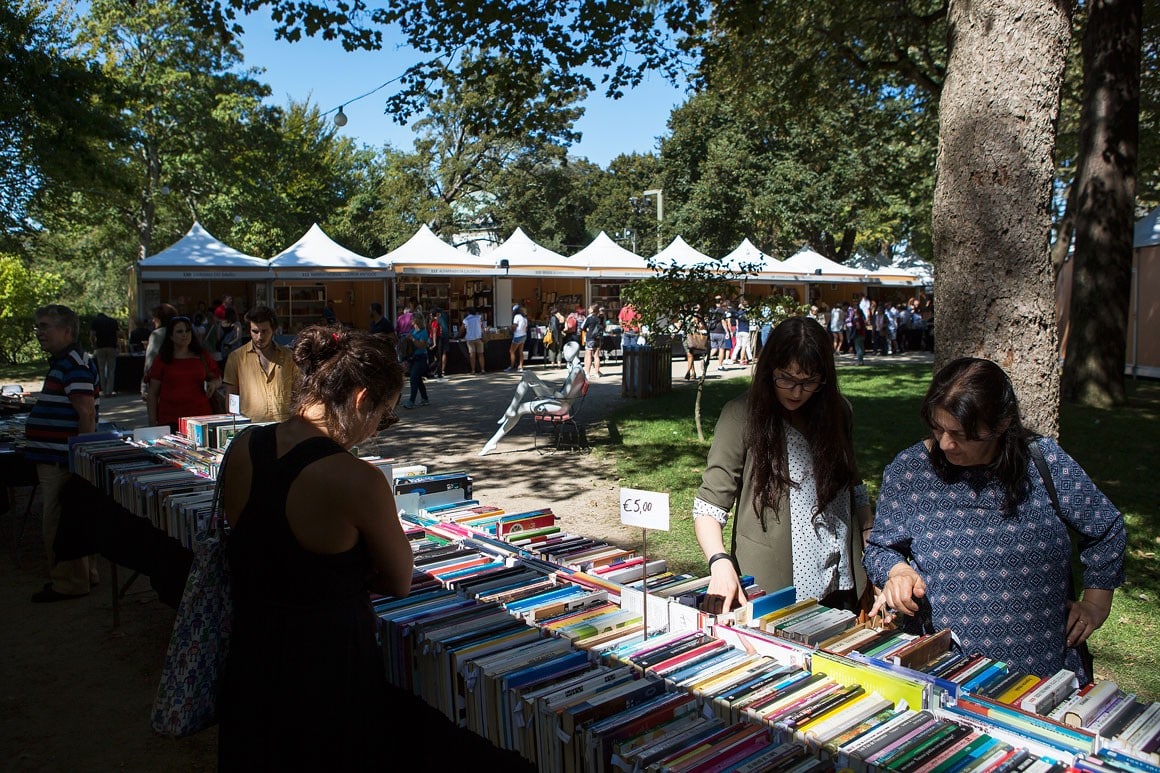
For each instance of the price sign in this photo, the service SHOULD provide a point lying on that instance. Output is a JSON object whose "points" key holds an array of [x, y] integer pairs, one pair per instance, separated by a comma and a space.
{"points": [[235, 403], [647, 509]]}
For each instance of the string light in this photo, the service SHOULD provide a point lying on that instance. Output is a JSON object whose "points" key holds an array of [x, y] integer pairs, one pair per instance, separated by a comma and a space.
{"points": [[340, 117]]}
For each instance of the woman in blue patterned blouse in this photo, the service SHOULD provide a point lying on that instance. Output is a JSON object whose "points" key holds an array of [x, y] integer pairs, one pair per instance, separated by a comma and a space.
{"points": [[967, 533]]}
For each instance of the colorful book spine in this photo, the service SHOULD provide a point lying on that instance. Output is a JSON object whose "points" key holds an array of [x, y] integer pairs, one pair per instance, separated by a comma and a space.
{"points": [[1050, 693]]}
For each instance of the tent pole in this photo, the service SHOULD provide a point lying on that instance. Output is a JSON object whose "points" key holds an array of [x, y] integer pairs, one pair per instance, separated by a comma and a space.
{"points": [[1136, 315]]}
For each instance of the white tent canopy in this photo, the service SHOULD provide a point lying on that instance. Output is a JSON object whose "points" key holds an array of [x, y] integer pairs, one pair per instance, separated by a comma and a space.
{"points": [[198, 254], [747, 254], [316, 255], [609, 259], [1147, 232], [426, 253], [807, 262], [906, 265], [679, 253], [526, 258]]}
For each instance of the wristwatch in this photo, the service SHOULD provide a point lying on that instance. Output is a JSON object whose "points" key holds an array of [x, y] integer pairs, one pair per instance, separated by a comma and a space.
{"points": [[719, 556]]}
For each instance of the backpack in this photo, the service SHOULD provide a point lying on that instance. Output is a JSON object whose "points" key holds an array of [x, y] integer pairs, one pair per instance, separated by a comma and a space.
{"points": [[593, 329], [570, 323]]}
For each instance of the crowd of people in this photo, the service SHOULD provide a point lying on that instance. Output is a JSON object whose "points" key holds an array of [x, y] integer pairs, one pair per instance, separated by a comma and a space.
{"points": [[728, 333], [966, 533], [879, 326]]}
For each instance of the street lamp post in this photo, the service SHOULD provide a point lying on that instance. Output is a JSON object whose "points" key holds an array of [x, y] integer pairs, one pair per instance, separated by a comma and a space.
{"points": [[659, 193], [637, 204], [630, 234]]}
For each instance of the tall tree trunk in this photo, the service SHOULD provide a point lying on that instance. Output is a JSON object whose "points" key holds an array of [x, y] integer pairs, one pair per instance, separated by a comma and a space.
{"points": [[1106, 190], [991, 222]]}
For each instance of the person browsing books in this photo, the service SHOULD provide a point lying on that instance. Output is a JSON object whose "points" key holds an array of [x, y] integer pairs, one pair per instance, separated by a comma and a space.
{"points": [[968, 538], [261, 372], [783, 457], [313, 529], [181, 378], [69, 405]]}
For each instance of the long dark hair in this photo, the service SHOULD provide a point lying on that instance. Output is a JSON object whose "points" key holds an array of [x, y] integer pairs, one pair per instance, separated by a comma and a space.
{"points": [[166, 352], [979, 395], [803, 342], [334, 364]]}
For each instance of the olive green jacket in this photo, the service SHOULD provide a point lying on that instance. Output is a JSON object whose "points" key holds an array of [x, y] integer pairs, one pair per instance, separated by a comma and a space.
{"points": [[762, 542]]}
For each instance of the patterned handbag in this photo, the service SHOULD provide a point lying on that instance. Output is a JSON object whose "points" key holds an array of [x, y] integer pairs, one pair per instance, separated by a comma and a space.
{"points": [[186, 701]]}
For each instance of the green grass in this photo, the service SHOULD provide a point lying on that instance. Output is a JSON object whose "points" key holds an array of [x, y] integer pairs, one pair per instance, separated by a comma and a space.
{"points": [[655, 447], [23, 372]]}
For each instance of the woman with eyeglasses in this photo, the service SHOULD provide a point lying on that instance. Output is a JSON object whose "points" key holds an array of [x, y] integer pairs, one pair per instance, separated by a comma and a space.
{"points": [[783, 458], [313, 530], [968, 537], [182, 377]]}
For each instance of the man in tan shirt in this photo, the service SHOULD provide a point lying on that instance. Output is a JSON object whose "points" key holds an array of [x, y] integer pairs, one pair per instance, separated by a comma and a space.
{"points": [[261, 372]]}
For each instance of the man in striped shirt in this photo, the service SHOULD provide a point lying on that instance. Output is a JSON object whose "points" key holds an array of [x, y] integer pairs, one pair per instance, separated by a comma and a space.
{"points": [[67, 406]]}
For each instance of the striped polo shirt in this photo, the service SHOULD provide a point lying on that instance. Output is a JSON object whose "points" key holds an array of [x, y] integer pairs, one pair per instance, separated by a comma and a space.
{"points": [[53, 420]]}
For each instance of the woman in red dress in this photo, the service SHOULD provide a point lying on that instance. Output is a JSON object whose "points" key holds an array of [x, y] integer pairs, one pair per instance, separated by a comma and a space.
{"points": [[182, 377]]}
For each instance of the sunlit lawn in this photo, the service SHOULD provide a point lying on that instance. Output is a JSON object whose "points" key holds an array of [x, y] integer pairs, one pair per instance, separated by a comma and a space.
{"points": [[658, 450]]}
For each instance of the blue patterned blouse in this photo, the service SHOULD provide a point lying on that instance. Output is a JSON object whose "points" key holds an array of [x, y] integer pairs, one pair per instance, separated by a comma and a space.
{"points": [[1000, 583]]}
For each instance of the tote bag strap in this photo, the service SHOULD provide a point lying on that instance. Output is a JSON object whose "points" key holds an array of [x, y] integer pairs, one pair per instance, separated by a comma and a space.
{"points": [[1041, 465], [1045, 473], [217, 519]]}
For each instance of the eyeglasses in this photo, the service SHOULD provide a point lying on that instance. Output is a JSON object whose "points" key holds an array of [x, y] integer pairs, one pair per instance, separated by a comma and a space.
{"points": [[809, 384], [389, 419], [959, 437]]}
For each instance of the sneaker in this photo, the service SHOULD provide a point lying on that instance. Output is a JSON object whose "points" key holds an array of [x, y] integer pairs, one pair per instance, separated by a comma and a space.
{"points": [[408, 404], [425, 402], [508, 370]]}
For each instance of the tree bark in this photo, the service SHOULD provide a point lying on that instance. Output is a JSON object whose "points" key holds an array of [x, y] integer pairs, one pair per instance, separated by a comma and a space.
{"points": [[1106, 190], [991, 220]]}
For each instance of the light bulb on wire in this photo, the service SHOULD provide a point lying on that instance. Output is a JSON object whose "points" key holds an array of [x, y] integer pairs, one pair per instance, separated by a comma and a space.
{"points": [[340, 117]]}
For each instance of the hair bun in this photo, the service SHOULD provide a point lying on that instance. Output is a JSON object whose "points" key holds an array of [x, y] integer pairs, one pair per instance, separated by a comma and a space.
{"points": [[316, 345]]}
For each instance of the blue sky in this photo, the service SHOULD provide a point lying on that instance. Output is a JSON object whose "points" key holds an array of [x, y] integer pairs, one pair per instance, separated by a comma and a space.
{"points": [[321, 71]]}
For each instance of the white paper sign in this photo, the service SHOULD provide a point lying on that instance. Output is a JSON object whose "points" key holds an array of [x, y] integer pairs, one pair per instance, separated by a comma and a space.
{"points": [[150, 434], [234, 402], [647, 509]]}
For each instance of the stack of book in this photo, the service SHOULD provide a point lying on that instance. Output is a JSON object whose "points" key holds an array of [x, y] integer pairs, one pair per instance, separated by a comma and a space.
{"points": [[413, 493], [166, 485]]}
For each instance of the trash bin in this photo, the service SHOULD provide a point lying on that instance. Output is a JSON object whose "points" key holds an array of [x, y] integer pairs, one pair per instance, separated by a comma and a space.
{"points": [[648, 371]]}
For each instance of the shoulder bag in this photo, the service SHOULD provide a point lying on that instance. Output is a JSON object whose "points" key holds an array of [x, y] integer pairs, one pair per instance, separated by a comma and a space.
{"points": [[697, 341], [186, 700]]}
